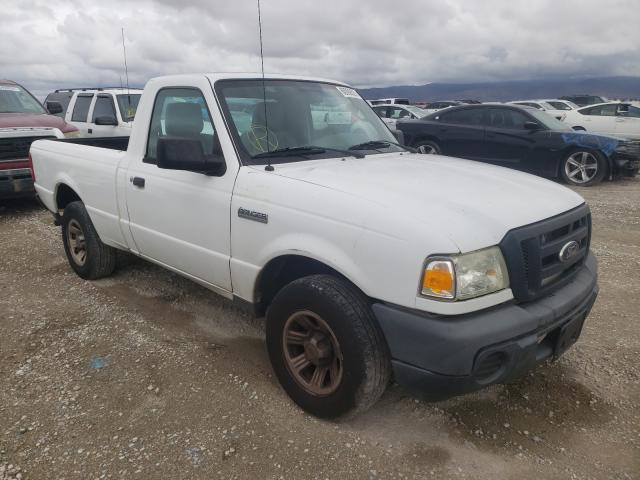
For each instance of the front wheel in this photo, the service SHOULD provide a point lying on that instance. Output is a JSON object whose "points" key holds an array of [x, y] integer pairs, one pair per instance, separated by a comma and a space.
{"points": [[583, 168], [428, 148], [325, 347], [88, 256]]}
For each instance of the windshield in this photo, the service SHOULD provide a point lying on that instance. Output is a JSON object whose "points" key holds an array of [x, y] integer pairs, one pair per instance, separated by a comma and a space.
{"points": [[417, 111], [299, 114], [128, 104], [15, 99], [560, 105], [549, 121]]}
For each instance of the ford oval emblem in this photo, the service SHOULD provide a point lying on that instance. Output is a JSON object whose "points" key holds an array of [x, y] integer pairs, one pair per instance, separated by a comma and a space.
{"points": [[568, 251]]}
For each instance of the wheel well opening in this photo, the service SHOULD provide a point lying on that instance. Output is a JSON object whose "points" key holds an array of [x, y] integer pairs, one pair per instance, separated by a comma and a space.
{"points": [[65, 195], [282, 271]]}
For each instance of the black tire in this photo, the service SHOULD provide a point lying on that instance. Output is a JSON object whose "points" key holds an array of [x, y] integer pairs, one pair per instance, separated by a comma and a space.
{"points": [[588, 177], [365, 359], [428, 147], [100, 259]]}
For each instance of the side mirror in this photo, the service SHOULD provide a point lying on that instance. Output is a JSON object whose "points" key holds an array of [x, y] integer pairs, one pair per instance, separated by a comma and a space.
{"points": [[179, 153], [531, 126], [106, 120], [54, 107]]}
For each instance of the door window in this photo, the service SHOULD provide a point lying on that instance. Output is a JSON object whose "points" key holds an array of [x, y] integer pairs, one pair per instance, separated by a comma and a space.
{"points": [[396, 113], [382, 111], [81, 108], [507, 118], [601, 111], [180, 112], [103, 108], [466, 116]]}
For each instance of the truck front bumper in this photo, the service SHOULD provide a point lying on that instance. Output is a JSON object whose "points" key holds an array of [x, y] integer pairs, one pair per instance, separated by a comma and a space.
{"points": [[442, 356], [16, 182]]}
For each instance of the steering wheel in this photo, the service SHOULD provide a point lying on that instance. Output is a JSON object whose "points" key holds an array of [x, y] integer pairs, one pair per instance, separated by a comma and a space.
{"points": [[261, 138]]}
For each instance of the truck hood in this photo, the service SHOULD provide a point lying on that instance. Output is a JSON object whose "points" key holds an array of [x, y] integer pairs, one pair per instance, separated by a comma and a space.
{"points": [[10, 120], [472, 203]]}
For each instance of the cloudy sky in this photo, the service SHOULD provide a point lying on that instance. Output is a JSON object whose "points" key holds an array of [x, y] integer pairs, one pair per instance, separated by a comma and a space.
{"points": [[48, 44]]}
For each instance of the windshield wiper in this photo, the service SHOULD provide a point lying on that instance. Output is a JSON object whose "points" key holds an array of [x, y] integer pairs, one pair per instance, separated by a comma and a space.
{"points": [[375, 144], [305, 150]]}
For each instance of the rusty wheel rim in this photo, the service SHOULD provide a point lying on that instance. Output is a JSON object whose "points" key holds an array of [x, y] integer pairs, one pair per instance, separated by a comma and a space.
{"points": [[77, 243], [312, 353]]}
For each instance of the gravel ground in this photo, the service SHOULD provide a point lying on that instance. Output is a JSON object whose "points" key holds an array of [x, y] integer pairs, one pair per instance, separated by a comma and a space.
{"points": [[147, 375]]}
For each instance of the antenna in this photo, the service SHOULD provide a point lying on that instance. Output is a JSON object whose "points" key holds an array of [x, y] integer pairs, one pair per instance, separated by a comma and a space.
{"points": [[126, 70], [269, 167]]}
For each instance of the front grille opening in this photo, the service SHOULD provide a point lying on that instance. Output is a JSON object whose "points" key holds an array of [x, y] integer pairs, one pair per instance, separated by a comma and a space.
{"points": [[549, 260], [555, 234]]}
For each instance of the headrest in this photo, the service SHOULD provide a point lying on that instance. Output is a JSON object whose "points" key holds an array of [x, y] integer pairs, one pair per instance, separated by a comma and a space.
{"points": [[183, 119]]}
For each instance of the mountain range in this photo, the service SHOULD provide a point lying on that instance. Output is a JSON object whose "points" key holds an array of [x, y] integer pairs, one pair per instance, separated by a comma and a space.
{"points": [[502, 91]]}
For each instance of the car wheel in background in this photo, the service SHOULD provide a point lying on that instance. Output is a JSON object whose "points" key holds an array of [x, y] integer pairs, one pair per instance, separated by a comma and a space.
{"points": [[325, 346], [428, 148], [583, 168], [88, 256]]}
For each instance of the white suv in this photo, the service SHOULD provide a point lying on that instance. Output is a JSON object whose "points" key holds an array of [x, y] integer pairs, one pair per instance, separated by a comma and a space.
{"points": [[99, 112]]}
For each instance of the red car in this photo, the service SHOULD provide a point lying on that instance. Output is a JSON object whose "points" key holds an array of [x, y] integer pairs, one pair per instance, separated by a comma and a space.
{"points": [[23, 119]]}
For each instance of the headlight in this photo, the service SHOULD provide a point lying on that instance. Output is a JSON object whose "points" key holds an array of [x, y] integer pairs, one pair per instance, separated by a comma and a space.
{"points": [[74, 134], [460, 277]]}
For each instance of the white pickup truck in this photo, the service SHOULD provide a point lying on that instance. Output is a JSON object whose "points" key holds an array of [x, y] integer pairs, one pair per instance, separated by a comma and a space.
{"points": [[290, 196]]}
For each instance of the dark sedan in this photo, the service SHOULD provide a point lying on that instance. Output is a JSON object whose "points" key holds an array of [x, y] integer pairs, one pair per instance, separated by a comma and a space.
{"points": [[525, 139]]}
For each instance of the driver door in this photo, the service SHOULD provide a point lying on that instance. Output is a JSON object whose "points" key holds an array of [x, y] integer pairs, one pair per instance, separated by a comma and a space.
{"points": [[181, 219]]}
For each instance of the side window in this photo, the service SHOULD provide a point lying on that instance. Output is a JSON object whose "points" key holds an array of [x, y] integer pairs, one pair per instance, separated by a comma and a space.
{"points": [[103, 108], [608, 110], [180, 112], [467, 116], [81, 108], [507, 118], [381, 111], [396, 112]]}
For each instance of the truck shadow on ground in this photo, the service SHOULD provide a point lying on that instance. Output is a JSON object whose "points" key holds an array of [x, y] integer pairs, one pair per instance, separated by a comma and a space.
{"points": [[533, 414], [19, 206]]}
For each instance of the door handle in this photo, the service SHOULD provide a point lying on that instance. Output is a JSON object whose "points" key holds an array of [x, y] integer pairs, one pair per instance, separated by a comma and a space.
{"points": [[137, 181], [89, 130]]}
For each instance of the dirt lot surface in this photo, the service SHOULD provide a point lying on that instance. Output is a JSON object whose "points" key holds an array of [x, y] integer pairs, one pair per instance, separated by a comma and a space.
{"points": [[147, 375]]}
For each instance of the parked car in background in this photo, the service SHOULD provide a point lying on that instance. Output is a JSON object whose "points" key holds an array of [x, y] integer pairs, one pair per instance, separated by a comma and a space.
{"points": [[390, 101], [22, 120], [102, 112], [390, 114], [367, 260], [549, 106], [435, 106], [614, 118], [584, 100], [525, 139]]}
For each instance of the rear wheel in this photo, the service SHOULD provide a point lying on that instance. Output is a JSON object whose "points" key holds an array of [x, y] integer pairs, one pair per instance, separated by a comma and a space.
{"points": [[88, 256], [583, 168], [325, 347], [428, 147]]}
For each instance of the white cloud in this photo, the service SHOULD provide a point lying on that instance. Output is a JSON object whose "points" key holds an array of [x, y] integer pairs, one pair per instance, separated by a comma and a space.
{"points": [[371, 43]]}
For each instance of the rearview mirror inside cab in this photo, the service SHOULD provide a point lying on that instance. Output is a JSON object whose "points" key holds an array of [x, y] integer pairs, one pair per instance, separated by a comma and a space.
{"points": [[180, 153]]}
